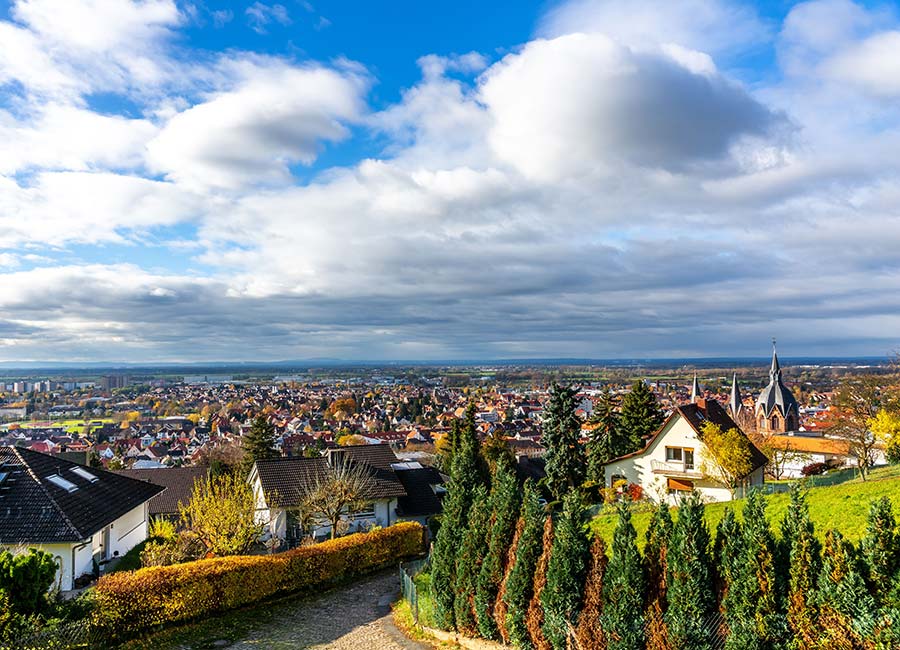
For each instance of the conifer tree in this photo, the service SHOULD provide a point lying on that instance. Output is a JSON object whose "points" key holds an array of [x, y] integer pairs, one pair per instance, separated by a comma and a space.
{"points": [[589, 633], [469, 558], [465, 475], [804, 562], [846, 609], [690, 593], [566, 572], [259, 443], [624, 588], [606, 440], [534, 619], [881, 548], [656, 551], [500, 608], [564, 456], [641, 415], [521, 576], [504, 513], [755, 616], [728, 554]]}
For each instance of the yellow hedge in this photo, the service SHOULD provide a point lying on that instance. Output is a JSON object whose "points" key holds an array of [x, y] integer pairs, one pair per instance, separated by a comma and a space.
{"points": [[133, 601]]}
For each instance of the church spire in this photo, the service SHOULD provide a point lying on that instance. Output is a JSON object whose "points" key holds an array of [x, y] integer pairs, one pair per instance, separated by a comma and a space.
{"points": [[775, 370], [695, 390], [736, 404]]}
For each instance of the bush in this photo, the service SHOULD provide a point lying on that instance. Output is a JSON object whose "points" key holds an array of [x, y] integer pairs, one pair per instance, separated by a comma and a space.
{"points": [[26, 578], [131, 602], [814, 469]]}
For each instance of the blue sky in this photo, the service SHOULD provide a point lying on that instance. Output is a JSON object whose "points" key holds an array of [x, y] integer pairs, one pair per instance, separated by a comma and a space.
{"points": [[188, 181]]}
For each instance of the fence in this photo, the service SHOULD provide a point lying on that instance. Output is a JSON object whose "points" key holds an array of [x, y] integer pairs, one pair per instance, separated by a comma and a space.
{"points": [[75, 635], [408, 588]]}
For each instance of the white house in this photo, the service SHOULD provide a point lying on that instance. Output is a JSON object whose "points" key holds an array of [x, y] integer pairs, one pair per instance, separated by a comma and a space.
{"points": [[82, 515], [673, 460]]}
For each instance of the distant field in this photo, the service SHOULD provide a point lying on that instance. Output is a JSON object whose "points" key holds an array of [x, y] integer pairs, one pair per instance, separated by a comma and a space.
{"points": [[71, 426], [843, 507]]}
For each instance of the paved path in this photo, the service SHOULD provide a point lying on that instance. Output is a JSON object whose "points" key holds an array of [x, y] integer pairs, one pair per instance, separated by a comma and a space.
{"points": [[353, 617]]}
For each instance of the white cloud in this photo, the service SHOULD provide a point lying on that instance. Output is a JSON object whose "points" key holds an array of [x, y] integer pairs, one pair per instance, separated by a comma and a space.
{"points": [[873, 65], [715, 26], [259, 15], [276, 116]]}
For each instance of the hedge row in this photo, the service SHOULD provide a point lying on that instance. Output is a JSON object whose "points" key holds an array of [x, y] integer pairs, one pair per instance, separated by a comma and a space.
{"points": [[130, 602]]}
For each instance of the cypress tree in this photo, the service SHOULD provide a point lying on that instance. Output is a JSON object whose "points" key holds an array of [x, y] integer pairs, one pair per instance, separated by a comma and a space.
{"points": [[566, 571], [464, 477], [690, 593], [606, 440], [656, 552], [881, 549], [589, 633], [564, 456], [521, 575], [728, 554], [846, 609], [804, 561], [641, 415], [469, 558], [500, 608], [505, 507], [755, 615], [259, 443], [534, 619], [623, 588]]}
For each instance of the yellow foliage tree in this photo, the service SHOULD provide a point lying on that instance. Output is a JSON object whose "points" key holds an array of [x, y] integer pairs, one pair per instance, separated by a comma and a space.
{"points": [[885, 426], [728, 459], [222, 513]]}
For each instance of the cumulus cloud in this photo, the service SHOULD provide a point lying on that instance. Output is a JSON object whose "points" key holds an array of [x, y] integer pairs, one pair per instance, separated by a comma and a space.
{"points": [[276, 115]]}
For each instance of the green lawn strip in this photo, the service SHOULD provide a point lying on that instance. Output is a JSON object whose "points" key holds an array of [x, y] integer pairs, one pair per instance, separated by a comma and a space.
{"points": [[843, 507]]}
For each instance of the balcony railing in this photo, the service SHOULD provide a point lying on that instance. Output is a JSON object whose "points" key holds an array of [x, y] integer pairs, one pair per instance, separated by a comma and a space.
{"points": [[673, 468]]}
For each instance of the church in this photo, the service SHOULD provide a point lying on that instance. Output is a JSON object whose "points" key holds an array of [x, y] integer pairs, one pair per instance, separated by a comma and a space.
{"points": [[776, 410]]}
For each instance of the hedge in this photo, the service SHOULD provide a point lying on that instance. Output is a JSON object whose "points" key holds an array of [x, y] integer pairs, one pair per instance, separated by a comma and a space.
{"points": [[130, 602]]}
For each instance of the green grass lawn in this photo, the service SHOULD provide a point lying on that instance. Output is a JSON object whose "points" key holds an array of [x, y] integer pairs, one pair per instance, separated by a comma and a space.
{"points": [[843, 507]]}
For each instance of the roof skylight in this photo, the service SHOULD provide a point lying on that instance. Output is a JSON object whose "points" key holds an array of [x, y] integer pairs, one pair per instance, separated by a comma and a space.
{"points": [[86, 475], [60, 482]]}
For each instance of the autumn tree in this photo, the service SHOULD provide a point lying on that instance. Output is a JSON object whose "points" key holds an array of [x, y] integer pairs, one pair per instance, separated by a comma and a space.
{"points": [[564, 456], [856, 403], [566, 570], [222, 514], [641, 415], [847, 612], [338, 491], [802, 562], [885, 426], [259, 443], [495, 448], [623, 587], [589, 634], [881, 548], [728, 459]]}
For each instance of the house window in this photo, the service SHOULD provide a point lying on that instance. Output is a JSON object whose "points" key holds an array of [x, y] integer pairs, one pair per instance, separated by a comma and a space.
{"points": [[366, 511], [689, 459], [680, 456], [673, 454], [774, 422]]}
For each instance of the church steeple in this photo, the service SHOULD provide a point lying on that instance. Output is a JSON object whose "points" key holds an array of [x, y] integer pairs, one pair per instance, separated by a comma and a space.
{"points": [[695, 390], [736, 404], [775, 370]]}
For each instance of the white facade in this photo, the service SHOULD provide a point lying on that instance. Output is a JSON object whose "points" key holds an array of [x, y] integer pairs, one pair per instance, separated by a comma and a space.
{"points": [[672, 465], [77, 558]]}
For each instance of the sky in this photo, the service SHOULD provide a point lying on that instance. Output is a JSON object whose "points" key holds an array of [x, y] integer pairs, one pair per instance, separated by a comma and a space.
{"points": [[253, 181]]}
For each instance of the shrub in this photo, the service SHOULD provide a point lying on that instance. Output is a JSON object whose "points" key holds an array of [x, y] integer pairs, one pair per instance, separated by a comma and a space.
{"points": [[26, 578], [814, 469], [130, 602], [624, 587]]}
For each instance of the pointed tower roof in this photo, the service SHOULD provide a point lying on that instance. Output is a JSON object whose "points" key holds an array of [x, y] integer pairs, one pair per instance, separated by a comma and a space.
{"points": [[735, 404], [695, 389], [775, 370], [776, 396]]}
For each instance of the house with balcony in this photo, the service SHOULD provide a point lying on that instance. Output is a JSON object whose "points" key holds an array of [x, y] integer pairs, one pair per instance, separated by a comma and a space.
{"points": [[675, 461]]}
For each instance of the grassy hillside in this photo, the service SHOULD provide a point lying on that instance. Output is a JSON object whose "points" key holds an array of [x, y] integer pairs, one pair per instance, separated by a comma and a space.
{"points": [[843, 507]]}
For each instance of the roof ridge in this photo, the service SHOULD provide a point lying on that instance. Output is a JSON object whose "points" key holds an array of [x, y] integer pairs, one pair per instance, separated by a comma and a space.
{"points": [[46, 492]]}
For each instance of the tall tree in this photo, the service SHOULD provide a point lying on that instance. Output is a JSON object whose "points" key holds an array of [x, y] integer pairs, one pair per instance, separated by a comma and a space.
{"points": [[337, 492], [504, 513], [534, 619], [881, 548], [521, 576], [728, 459], [641, 415], [564, 456], [857, 402], [846, 609], [566, 572], [259, 443], [222, 514], [690, 594], [624, 588], [469, 558], [465, 475], [656, 554], [495, 448], [803, 563], [755, 615], [728, 555], [589, 633], [607, 440]]}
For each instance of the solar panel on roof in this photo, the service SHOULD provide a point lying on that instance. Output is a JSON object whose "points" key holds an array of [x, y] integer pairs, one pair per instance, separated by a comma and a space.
{"points": [[3, 477]]}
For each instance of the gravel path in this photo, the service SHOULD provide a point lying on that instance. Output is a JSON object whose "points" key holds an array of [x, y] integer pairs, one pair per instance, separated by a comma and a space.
{"points": [[354, 617]]}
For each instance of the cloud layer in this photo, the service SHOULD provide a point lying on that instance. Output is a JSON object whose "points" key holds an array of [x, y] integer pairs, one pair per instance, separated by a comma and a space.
{"points": [[620, 185]]}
